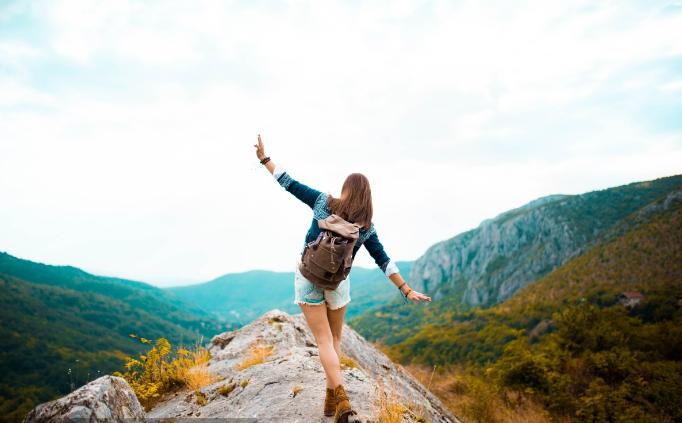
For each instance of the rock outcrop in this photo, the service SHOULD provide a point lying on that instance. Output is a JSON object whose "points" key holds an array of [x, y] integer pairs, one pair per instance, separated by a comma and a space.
{"points": [[289, 385], [108, 398]]}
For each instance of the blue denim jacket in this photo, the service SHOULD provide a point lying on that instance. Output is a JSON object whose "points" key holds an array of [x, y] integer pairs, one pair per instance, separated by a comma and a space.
{"points": [[317, 201]]}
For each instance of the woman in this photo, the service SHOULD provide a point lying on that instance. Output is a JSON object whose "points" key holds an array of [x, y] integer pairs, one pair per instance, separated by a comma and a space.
{"points": [[354, 205]]}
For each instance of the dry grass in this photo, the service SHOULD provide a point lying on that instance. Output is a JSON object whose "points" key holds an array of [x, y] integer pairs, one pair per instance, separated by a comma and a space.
{"points": [[226, 389], [200, 398], [244, 382], [473, 399], [388, 407], [257, 355], [295, 390], [347, 362], [192, 368]]}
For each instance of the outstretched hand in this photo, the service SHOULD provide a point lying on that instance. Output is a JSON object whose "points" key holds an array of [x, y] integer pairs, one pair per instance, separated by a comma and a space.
{"points": [[417, 296], [260, 149]]}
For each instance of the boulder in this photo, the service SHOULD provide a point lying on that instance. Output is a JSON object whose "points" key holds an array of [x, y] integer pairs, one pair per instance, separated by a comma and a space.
{"points": [[108, 398]]}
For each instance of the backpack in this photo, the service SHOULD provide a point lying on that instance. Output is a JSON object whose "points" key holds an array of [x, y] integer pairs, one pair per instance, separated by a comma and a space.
{"points": [[327, 260]]}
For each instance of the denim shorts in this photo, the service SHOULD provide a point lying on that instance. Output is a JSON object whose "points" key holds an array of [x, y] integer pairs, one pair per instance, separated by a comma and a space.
{"points": [[307, 292]]}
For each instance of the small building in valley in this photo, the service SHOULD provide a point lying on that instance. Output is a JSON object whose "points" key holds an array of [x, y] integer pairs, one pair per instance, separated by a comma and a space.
{"points": [[631, 298]]}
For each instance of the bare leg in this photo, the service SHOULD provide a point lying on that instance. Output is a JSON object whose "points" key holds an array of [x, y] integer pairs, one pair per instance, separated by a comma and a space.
{"points": [[335, 318], [316, 317]]}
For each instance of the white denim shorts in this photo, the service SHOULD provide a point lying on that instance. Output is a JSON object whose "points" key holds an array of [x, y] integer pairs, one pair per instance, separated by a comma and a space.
{"points": [[308, 293]]}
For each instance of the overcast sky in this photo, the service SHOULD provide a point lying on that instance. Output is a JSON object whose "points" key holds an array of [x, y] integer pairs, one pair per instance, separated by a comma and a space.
{"points": [[127, 128]]}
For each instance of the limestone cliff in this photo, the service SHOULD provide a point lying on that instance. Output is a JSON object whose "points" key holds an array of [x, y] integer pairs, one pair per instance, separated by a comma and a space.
{"points": [[486, 265]]}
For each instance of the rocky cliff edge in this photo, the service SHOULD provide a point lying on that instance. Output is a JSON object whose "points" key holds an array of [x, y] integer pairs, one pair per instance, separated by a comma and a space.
{"points": [[288, 386]]}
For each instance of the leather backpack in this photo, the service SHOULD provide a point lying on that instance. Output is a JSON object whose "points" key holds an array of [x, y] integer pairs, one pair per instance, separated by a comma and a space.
{"points": [[327, 260]]}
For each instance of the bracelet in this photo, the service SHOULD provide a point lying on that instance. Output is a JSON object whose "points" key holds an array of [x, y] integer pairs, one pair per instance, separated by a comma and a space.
{"points": [[265, 160], [401, 291]]}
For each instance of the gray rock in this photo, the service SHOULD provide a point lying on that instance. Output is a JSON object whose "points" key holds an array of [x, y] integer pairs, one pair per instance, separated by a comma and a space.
{"points": [[488, 264], [290, 385], [108, 398]]}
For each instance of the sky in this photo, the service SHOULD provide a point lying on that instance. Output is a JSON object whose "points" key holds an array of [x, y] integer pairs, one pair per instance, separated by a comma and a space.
{"points": [[127, 128]]}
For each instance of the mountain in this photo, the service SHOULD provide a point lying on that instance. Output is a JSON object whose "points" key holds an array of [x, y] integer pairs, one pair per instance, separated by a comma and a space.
{"points": [[645, 257], [287, 385], [63, 326], [597, 339], [239, 298], [488, 264]]}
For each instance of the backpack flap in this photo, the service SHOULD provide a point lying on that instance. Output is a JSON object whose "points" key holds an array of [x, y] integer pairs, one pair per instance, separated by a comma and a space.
{"points": [[347, 235], [340, 226]]}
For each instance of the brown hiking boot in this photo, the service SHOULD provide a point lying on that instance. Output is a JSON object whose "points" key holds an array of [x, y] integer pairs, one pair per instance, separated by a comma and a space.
{"points": [[329, 402], [343, 408]]}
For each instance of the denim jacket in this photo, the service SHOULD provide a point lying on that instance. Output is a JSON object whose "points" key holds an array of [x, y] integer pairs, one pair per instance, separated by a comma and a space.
{"points": [[317, 201]]}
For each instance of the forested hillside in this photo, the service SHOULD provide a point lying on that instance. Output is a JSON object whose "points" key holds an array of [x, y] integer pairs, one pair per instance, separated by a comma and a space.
{"points": [[568, 341], [62, 327]]}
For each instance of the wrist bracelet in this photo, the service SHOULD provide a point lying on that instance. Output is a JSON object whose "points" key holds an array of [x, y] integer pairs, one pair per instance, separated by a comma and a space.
{"points": [[400, 286], [265, 160]]}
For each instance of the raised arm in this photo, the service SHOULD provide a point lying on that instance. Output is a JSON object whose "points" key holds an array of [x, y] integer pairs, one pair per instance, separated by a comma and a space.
{"points": [[390, 269], [299, 190]]}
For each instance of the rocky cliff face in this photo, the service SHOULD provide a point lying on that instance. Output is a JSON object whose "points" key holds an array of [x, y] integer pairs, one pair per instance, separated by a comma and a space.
{"points": [[289, 386], [488, 264], [491, 262]]}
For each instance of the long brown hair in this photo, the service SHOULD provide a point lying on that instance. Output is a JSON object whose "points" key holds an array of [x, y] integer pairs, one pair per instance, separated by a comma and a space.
{"points": [[355, 204]]}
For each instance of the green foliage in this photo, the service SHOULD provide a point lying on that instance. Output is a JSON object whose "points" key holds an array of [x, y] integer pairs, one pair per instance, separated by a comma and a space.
{"points": [[64, 318], [585, 327], [520, 368], [387, 323], [476, 339], [599, 365], [152, 374], [137, 295], [159, 371]]}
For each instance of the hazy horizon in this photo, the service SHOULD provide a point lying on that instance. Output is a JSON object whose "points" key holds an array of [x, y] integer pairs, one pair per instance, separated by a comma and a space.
{"points": [[127, 129], [170, 283]]}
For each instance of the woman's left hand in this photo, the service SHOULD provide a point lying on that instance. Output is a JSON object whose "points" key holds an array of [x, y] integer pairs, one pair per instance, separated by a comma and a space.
{"points": [[417, 296], [260, 149]]}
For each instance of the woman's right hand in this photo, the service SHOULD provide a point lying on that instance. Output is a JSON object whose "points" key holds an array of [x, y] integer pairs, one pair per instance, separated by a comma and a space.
{"points": [[260, 149]]}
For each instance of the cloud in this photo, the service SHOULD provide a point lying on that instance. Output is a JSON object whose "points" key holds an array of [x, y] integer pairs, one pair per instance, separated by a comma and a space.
{"points": [[127, 127]]}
